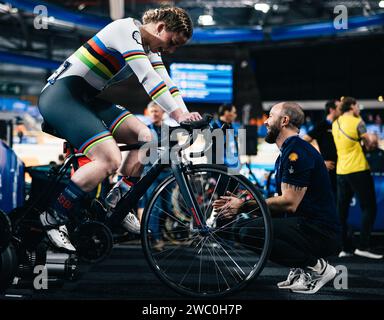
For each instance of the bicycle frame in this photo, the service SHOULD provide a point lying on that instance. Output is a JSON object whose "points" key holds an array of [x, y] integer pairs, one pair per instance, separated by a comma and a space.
{"points": [[186, 191], [139, 189]]}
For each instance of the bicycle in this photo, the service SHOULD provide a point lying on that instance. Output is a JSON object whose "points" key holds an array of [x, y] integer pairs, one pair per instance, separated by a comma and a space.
{"points": [[268, 188], [208, 260]]}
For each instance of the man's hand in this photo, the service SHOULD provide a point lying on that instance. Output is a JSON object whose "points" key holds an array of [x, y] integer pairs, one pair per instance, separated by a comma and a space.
{"points": [[227, 206], [331, 165], [181, 116]]}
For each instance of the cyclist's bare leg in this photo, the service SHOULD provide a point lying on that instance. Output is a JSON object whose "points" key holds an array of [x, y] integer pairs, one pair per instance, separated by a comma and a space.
{"points": [[106, 159], [129, 132]]}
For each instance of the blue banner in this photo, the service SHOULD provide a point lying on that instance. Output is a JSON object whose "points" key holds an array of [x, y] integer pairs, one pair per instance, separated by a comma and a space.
{"points": [[22, 60], [13, 104], [11, 179]]}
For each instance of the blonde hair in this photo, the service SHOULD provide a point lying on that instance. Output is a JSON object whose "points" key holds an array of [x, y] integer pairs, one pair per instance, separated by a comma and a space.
{"points": [[175, 19]]}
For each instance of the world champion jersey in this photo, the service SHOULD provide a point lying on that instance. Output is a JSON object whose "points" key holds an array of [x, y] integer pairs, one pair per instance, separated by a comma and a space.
{"points": [[114, 54]]}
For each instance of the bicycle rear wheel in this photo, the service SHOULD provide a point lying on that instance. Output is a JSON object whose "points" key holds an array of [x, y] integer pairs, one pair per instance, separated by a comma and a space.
{"points": [[213, 263]]}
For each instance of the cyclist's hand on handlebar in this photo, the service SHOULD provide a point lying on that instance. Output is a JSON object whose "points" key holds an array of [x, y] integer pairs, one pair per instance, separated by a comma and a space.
{"points": [[190, 116], [179, 116]]}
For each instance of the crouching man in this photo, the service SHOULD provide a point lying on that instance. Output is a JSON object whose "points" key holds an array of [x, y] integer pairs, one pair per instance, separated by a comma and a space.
{"points": [[306, 229]]}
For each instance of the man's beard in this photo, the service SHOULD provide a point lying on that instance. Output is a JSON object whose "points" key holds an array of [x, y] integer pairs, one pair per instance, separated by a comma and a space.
{"points": [[272, 134]]}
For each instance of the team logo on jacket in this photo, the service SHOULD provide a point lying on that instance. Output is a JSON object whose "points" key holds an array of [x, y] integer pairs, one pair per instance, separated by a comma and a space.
{"points": [[293, 157], [137, 37]]}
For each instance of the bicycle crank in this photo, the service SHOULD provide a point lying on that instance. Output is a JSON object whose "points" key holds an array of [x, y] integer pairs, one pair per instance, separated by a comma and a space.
{"points": [[93, 241]]}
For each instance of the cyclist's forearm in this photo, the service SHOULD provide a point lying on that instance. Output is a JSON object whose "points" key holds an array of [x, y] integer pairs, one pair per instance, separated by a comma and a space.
{"points": [[159, 92], [172, 87]]}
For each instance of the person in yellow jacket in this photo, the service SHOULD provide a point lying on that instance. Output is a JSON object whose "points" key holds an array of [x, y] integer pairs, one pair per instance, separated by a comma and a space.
{"points": [[354, 177]]}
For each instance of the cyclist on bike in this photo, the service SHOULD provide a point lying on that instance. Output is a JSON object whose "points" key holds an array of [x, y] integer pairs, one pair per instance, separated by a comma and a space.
{"points": [[68, 103]]}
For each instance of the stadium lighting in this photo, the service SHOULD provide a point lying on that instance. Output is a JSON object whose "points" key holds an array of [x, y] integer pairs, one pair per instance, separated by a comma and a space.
{"points": [[263, 7], [206, 20]]}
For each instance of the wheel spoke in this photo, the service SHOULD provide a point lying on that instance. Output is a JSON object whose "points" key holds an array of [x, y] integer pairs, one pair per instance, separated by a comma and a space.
{"points": [[203, 194], [213, 193], [171, 250], [230, 257], [218, 268], [181, 204], [190, 266], [210, 261], [226, 266], [226, 206], [172, 216], [233, 221], [223, 242]]}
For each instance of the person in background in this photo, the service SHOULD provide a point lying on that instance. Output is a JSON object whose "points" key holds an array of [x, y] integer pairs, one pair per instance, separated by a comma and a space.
{"points": [[157, 127], [310, 230], [227, 116], [321, 134], [354, 177], [375, 156], [370, 118], [308, 124], [53, 164], [60, 159], [20, 129]]}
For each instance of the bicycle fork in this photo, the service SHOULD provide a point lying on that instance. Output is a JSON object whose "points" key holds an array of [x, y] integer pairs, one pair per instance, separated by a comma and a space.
{"points": [[191, 202]]}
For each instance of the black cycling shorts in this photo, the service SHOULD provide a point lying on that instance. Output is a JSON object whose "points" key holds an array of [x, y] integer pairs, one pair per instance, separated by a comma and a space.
{"points": [[70, 107]]}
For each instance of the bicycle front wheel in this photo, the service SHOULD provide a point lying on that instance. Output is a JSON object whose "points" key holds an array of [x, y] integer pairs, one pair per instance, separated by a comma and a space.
{"points": [[214, 263]]}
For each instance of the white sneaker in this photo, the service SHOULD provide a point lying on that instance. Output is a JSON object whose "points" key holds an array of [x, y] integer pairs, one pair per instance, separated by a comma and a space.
{"points": [[58, 235], [293, 275], [314, 281], [131, 223], [345, 254], [368, 254], [301, 282]]}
